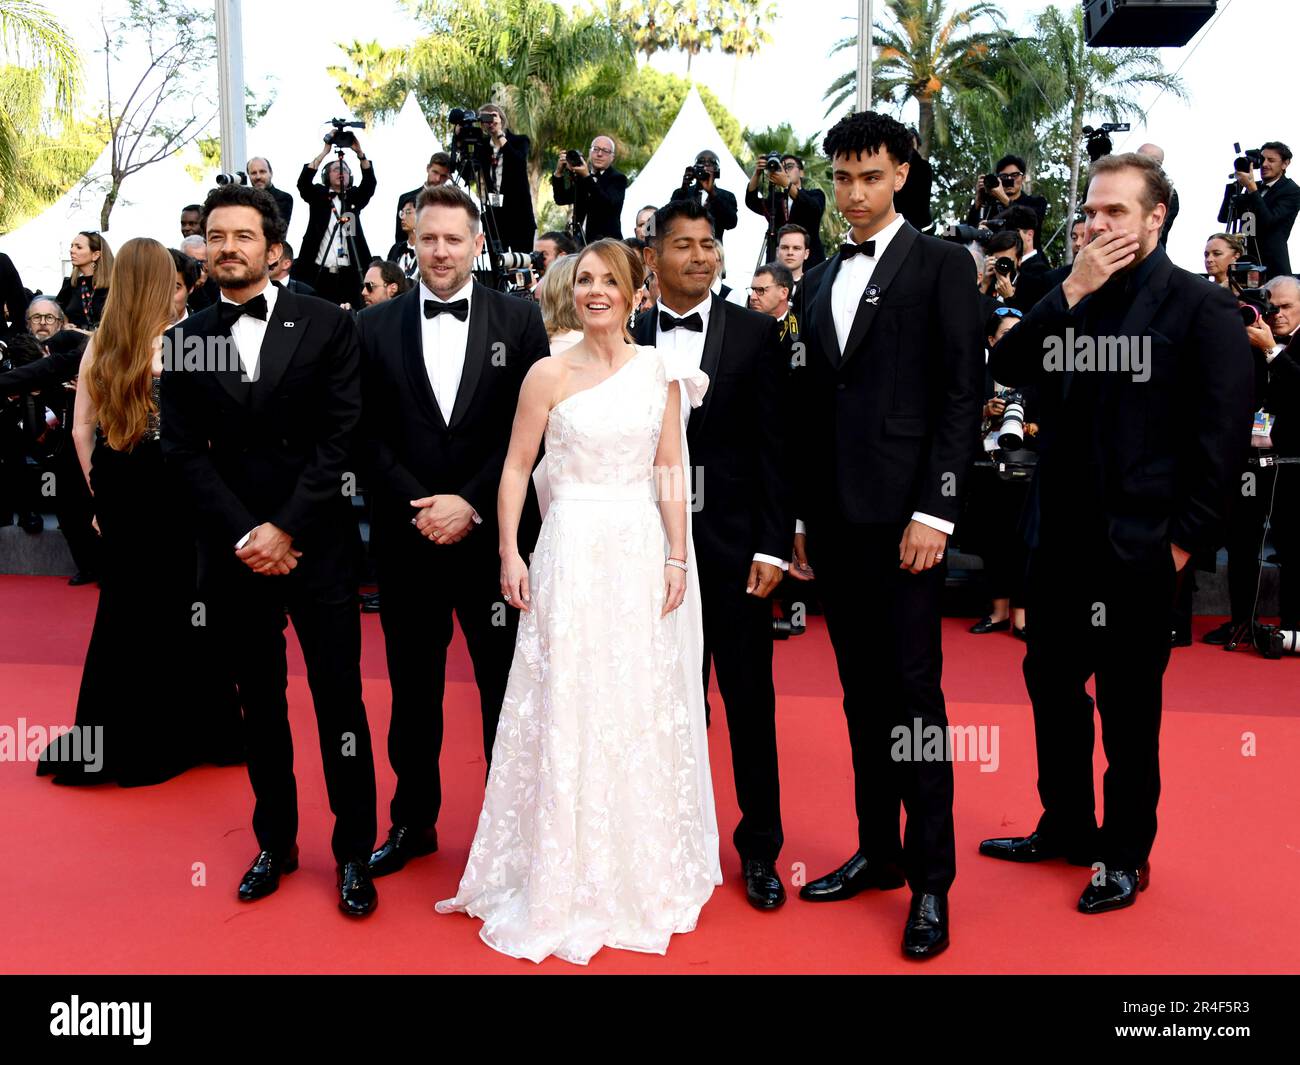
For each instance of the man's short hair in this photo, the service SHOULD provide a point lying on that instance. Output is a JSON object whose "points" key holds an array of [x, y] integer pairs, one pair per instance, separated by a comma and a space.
{"points": [[192, 207], [868, 131], [792, 228], [439, 159], [45, 299], [648, 207], [389, 273], [496, 109], [1010, 160], [1005, 241], [666, 215], [790, 155], [188, 268], [1020, 218], [1274, 283], [635, 243], [248, 165], [564, 244], [194, 240], [1279, 147], [1156, 188], [286, 251], [779, 273], [449, 196], [273, 227]]}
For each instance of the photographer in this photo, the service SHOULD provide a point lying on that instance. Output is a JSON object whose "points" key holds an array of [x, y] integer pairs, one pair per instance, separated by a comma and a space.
{"points": [[1031, 282], [509, 210], [997, 279], [595, 190], [1005, 188], [552, 245], [334, 247], [789, 202], [259, 174], [436, 172], [1265, 208], [912, 201], [403, 253], [699, 183]]}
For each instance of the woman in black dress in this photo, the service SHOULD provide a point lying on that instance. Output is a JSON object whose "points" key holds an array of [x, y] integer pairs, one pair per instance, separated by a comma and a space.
{"points": [[85, 291], [152, 685]]}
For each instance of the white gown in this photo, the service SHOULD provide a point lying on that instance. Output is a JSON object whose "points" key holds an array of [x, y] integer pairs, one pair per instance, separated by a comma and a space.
{"points": [[598, 826]]}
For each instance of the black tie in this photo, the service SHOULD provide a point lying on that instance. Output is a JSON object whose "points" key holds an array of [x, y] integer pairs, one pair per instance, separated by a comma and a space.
{"points": [[229, 313], [867, 247], [693, 322], [458, 308]]}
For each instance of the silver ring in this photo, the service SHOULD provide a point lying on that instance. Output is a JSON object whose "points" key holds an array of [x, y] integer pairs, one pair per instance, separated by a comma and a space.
{"points": [[506, 597], [938, 557]]}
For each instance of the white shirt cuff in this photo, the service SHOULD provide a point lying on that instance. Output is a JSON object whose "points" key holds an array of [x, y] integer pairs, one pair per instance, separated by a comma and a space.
{"points": [[933, 522], [1269, 356], [799, 528], [772, 560], [475, 515], [243, 540]]}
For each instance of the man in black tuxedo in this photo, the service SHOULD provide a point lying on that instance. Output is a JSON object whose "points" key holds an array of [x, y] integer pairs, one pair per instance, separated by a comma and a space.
{"points": [[1009, 192], [1266, 208], [260, 176], [436, 172], [595, 189], [1032, 271], [912, 201], [261, 395], [511, 215], [443, 364], [1145, 381], [704, 191], [334, 249], [889, 407], [791, 202], [741, 529]]}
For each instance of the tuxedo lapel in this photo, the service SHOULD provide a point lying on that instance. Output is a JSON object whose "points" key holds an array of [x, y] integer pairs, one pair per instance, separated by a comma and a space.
{"points": [[821, 312], [283, 331], [891, 261], [645, 330], [476, 351], [413, 356]]}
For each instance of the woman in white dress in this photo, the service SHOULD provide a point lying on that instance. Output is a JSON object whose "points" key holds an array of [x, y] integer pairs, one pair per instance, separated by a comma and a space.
{"points": [[598, 826]]}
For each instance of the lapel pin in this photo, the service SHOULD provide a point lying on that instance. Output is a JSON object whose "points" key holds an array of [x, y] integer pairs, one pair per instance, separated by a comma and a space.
{"points": [[288, 325], [872, 295]]}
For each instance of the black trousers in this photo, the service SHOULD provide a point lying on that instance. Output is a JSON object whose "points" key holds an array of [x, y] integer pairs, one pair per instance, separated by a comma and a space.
{"points": [[251, 612], [1245, 535], [1097, 616], [421, 584], [75, 509], [343, 286], [884, 626], [738, 642], [1286, 538]]}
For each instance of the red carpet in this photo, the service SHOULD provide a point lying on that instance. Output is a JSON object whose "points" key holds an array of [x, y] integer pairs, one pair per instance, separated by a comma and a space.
{"points": [[108, 880]]}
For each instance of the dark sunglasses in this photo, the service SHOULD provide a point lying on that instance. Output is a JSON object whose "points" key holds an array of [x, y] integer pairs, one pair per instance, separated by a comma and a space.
{"points": [[1008, 312]]}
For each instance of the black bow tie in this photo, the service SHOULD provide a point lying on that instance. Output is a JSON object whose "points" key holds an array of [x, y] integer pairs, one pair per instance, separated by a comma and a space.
{"points": [[229, 313], [458, 308], [693, 322], [867, 247]]}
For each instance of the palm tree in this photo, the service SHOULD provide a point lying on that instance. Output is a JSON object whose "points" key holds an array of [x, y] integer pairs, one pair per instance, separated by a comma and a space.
{"points": [[741, 31], [651, 24], [695, 24], [1094, 81], [368, 83], [929, 55], [32, 37], [558, 75]]}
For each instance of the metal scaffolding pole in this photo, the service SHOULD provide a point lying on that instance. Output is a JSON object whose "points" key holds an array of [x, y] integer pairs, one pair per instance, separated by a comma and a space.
{"points": [[230, 83]]}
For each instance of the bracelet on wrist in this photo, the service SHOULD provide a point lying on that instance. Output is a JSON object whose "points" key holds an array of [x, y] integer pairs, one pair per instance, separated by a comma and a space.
{"points": [[676, 563]]}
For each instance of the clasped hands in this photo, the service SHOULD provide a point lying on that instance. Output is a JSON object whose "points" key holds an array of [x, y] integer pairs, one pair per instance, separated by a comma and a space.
{"points": [[444, 519], [269, 551]]}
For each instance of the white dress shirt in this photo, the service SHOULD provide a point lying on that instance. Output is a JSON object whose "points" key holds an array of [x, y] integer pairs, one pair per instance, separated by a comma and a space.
{"points": [[334, 244], [682, 351], [846, 295], [443, 340], [248, 333]]}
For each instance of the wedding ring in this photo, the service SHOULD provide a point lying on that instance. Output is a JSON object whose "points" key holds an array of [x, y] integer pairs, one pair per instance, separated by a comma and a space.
{"points": [[506, 597], [938, 556]]}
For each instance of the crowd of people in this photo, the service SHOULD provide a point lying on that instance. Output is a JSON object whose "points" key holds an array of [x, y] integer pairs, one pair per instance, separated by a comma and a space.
{"points": [[852, 414]]}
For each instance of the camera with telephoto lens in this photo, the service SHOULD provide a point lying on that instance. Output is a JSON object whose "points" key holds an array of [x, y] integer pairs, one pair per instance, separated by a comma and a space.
{"points": [[573, 157], [512, 261], [701, 173], [773, 163], [237, 178], [1011, 432], [1004, 265], [1246, 161], [960, 233], [342, 136]]}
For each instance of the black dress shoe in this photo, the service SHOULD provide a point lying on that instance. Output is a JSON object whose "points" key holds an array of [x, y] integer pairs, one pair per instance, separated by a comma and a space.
{"points": [[852, 878], [763, 887], [1030, 848], [987, 624], [370, 602], [926, 931], [1119, 888], [31, 523], [1222, 634], [1180, 638], [1019, 634], [263, 875], [82, 577], [357, 895], [403, 844]]}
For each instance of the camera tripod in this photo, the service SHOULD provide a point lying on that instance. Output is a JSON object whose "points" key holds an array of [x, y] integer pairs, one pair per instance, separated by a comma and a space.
{"points": [[774, 195], [468, 164]]}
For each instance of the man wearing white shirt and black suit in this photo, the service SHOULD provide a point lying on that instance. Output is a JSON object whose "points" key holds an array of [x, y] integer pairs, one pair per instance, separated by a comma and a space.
{"points": [[442, 367], [261, 436], [741, 530], [888, 401]]}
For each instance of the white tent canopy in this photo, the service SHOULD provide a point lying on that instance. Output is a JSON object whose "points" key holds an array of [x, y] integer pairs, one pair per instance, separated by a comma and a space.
{"points": [[693, 131]]}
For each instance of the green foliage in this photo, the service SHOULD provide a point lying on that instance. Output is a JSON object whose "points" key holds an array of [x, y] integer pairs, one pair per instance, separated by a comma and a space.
{"points": [[660, 96]]}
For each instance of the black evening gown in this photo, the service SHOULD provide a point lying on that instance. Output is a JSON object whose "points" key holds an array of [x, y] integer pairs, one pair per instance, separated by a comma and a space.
{"points": [[153, 682]]}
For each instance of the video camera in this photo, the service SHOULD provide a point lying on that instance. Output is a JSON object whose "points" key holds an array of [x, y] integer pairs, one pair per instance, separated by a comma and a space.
{"points": [[1247, 281], [342, 136], [1098, 141]]}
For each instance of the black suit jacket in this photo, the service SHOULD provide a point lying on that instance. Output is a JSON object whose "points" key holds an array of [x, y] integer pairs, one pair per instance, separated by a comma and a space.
{"points": [[410, 451], [805, 210], [891, 426], [320, 221], [283, 201], [278, 449], [912, 201], [722, 205], [13, 297], [69, 299], [515, 220], [1274, 211], [399, 236], [1164, 451], [598, 205], [1283, 392], [1032, 282], [736, 439]]}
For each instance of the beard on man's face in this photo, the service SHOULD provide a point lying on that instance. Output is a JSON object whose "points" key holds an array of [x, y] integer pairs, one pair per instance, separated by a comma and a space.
{"points": [[234, 272]]}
